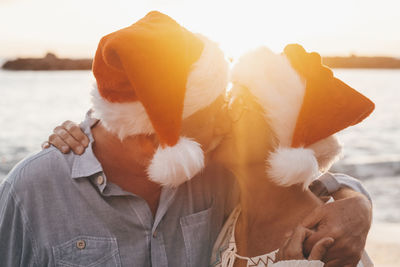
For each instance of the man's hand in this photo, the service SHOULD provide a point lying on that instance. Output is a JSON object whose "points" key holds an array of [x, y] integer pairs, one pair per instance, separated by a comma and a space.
{"points": [[293, 247], [347, 220], [68, 136]]}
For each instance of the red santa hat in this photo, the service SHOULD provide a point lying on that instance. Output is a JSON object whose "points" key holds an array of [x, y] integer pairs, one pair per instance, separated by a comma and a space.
{"points": [[152, 75], [305, 106]]}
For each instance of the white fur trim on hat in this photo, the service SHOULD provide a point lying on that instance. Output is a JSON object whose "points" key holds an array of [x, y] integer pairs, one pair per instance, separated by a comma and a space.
{"points": [[327, 151], [207, 79], [172, 166], [290, 166], [122, 119], [277, 86]]}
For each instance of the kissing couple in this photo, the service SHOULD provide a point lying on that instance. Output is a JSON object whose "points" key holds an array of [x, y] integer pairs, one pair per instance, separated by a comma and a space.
{"points": [[184, 160]]}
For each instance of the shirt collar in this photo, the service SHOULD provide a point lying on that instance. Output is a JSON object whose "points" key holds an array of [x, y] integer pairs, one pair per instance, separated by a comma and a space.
{"points": [[86, 165]]}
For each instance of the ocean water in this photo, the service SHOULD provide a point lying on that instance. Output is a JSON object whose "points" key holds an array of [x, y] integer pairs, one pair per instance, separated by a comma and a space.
{"points": [[33, 103]]}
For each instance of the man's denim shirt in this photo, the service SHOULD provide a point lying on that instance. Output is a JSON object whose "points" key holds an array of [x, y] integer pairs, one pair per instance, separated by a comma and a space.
{"points": [[59, 210]]}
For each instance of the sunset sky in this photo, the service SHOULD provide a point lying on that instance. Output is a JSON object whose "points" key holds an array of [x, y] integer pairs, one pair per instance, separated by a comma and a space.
{"points": [[73, 28]]}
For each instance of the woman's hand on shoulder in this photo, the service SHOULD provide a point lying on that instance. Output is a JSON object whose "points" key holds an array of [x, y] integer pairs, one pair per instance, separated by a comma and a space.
{"points": [[293, 248], [66, 137]]}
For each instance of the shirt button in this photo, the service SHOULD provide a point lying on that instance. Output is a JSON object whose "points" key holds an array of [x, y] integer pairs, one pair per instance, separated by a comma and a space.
{"points": [[81, 244], [100, 180]]}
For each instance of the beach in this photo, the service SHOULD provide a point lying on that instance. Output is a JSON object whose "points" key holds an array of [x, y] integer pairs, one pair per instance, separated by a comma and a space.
{"points": [[383, 244], [33, 103]]}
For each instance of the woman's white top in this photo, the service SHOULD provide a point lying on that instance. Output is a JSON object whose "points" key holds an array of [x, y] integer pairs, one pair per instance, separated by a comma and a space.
{"points": [[225, 251]]}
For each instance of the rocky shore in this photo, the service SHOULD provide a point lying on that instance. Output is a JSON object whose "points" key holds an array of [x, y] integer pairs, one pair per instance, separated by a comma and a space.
{"points": [[52, 62], [362, 62], [49, 62]]}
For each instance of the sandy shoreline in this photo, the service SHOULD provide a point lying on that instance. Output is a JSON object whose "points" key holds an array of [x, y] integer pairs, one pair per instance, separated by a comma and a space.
{"points": [[383, 244]]}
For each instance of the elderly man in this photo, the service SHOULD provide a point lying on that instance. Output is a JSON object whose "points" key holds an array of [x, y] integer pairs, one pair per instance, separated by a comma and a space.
{"points": [[139, 195]]}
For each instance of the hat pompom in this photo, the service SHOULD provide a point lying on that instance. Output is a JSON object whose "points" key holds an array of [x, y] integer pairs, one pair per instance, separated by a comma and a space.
{"points": [[174, 165], [290, 166], [327, 151]]}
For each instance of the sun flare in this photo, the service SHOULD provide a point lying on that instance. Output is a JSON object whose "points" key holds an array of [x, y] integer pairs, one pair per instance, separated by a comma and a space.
{"points": [[332, 28]]}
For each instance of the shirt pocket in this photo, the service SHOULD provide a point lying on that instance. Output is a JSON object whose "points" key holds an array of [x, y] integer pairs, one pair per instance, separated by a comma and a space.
{"points": [[87, 251], [196, 235]]}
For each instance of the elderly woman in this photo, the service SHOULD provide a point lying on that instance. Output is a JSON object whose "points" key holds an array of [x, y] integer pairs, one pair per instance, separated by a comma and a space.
{"points": [[284, 110], [287, 108]]}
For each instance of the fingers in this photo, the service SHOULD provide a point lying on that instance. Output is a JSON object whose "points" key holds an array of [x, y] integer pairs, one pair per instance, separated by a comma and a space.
{"points": [[344, 253], [45, 145], [293, 247], [68, 139], [56, 141], [300, 234], [340, 263], [313, 219], [334, 263], [312, 240], [76, 132], [320, 248]]}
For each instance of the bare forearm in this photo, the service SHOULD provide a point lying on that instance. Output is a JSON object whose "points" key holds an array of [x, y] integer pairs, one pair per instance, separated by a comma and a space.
{"points": [[346, 192], [358, 199]]}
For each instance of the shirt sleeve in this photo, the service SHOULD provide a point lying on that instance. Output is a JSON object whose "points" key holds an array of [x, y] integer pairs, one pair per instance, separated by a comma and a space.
{"points": [[350, 182], [16, 245], [329, 183], [298, 263]]}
